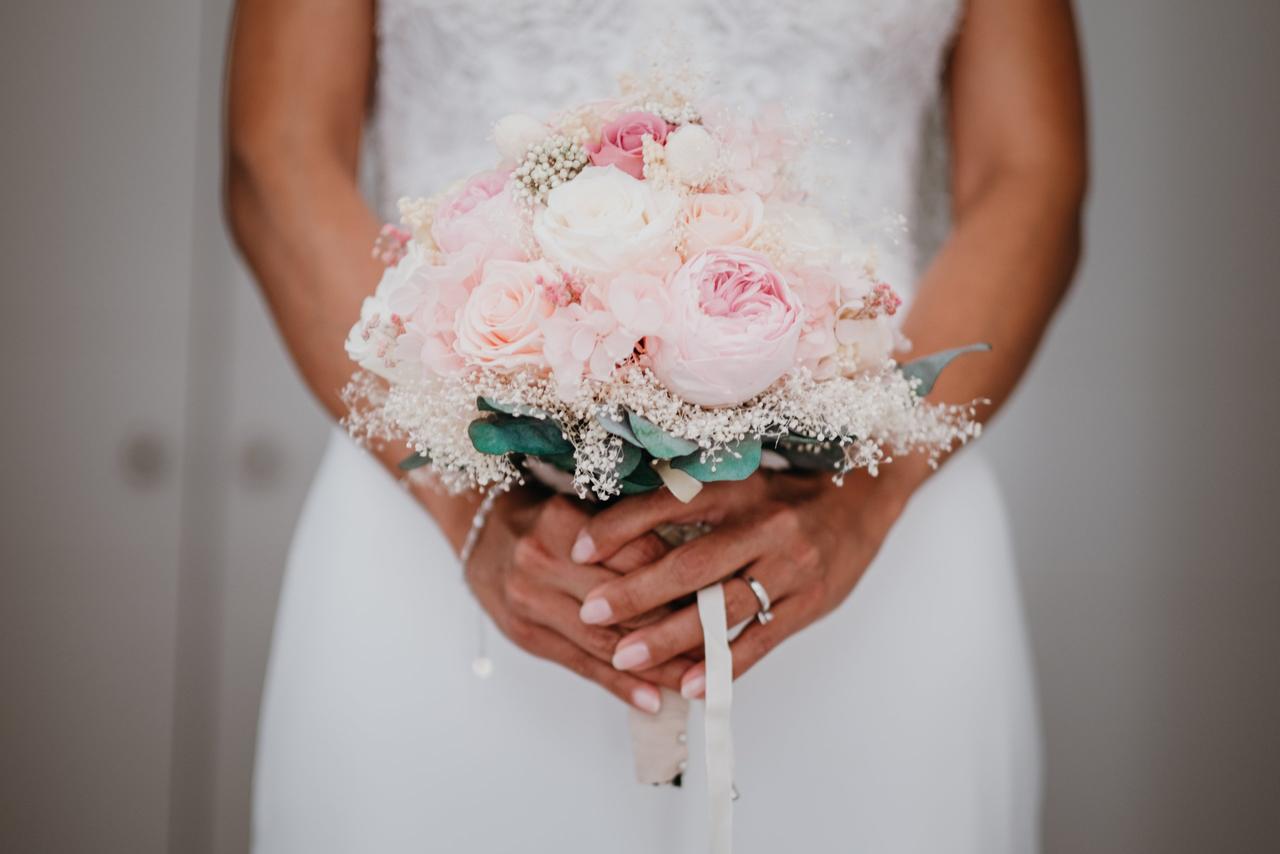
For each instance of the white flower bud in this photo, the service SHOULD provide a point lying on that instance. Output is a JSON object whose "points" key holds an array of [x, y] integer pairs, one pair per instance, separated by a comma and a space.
{"points": [[514, 134], [691, 154]]}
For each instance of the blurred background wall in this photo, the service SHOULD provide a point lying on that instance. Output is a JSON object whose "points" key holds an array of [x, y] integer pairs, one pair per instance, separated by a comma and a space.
{"points": [[156, 444]]}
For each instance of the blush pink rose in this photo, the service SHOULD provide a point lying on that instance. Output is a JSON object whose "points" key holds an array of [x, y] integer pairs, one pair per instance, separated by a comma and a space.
{"points": [[445, 289], [501, 324], [482, 214], [721, 219], [734, 328], [621, 141]]}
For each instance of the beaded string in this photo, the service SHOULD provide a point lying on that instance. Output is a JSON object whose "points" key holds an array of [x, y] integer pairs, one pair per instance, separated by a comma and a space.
{"points": [[482, 664]]}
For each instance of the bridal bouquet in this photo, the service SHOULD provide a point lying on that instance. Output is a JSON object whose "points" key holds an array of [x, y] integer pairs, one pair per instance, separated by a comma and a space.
{"points": [[640, 295], [637, 295]]}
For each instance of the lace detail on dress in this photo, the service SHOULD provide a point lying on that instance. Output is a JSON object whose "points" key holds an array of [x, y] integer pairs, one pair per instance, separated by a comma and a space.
{"points": [[449, 68]]}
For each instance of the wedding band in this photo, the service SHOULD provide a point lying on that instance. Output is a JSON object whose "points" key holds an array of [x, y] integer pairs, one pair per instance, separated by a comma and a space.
{"points": [[762, 596]]}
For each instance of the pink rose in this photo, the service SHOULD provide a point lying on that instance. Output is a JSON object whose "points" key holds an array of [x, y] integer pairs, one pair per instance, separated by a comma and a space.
{"points": [[621, 141], [501, 324], [482, 214], [721, 219], [734, 328]]}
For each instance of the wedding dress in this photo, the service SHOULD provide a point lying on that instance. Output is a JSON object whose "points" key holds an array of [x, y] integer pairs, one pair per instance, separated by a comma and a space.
{"points": [[903, 722]]}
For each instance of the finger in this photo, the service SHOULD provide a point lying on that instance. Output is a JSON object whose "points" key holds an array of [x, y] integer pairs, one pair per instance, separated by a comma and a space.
{"points": [[602, 535], [683, 570], [558, 612], [541, 567], [682, 631], [545, 643], [641, 551], [756, 641]]}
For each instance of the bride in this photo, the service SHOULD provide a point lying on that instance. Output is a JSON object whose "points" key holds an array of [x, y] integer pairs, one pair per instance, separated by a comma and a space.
{"points": [[889, 706]]}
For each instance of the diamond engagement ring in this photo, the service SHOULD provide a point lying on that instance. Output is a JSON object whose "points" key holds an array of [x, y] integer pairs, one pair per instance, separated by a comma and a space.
{"points": [[762, 596]]}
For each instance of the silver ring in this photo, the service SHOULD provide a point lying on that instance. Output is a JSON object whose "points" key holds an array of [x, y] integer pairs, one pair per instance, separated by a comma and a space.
{"points": [[762, 596]]}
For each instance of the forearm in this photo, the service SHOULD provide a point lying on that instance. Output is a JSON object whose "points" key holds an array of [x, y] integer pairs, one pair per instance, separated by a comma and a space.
{"points": [[307, 234]]}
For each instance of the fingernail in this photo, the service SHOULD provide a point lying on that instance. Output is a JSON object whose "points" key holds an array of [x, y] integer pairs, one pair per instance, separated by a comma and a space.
{"points": [[631, 656], [584, 548], [595, 611], [692, 688], [646, 700]]}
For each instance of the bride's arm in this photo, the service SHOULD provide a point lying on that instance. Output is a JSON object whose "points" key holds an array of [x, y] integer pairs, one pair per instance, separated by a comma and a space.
{"points": [[299, 80], [1019, 174]]}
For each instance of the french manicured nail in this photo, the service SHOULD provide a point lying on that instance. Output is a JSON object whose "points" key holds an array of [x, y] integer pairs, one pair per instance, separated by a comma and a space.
{"points": [[692, 688], [584, 548], [595, 611], [631, 656], [646, 700]]}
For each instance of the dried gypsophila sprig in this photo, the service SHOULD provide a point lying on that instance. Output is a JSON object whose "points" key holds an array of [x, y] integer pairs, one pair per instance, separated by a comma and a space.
{"points": [[880, 409], [547, 165]]}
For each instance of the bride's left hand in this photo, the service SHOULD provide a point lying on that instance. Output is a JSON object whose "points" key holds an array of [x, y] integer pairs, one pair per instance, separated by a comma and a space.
{"points": [[805, 540]]}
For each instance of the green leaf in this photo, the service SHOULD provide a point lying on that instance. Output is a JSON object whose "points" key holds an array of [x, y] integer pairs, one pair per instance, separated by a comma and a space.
{"points": [[503, 434], [413, 461], [488, 404], [641, 479], [738, 463], [657, 441], [631, 457], [927, 368], [621, 429]]}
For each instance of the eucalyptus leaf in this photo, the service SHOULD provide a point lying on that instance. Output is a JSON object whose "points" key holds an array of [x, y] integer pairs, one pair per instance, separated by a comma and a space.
{"points": [[657, 441], [621, 429], [413, 461], [737, 463], [631, 458], [503, 434], [641, 479], [927, 368], [488, 404]]}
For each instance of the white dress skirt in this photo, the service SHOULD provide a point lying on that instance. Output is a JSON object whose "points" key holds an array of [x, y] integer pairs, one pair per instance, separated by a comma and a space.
{"points": [[902, 723]]}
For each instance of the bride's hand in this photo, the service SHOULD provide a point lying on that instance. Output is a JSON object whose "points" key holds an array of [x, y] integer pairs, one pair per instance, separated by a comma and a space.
{"points": [[521, 573], [805, 540]]}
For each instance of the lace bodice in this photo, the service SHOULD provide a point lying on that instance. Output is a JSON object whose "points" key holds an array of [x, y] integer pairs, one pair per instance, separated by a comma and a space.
{"points": [[449, 68]]}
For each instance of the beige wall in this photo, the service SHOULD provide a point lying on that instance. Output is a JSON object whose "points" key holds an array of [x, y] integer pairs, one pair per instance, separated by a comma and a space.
{"points": [[156, 452]]}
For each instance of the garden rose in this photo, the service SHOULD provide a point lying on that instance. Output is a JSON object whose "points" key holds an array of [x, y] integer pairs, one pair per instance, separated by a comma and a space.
{"points": [[734, 328], [480, 213], [721, 219], [621, 142], [605, 221], [500, 325]]}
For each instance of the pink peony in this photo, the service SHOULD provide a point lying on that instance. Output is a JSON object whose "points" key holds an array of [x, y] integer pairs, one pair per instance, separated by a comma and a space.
{"points": [[445, 289], [501, 324], [480, 214], [734, 328], [621, 140]]}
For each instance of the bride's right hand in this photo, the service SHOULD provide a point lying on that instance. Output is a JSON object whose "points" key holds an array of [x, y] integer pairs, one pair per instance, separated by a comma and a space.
{"points": [[523, 577]]}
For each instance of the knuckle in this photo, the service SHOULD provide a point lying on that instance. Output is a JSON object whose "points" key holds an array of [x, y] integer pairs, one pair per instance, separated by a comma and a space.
{"points": [[785, 522], [684, 567], [600, 642], [521, 592], [528, 553]]}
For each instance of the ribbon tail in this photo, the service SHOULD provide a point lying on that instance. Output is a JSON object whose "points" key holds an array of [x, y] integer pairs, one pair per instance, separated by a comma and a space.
{"points": [[719, 736]]}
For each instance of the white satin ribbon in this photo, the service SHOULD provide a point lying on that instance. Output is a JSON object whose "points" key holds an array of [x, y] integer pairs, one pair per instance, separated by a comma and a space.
{"points": [[719, 735]]}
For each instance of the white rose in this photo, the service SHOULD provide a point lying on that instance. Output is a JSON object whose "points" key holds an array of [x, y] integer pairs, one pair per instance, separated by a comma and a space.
{"points": [[872, 341], [513, 135], [691, 154], [805, 230], [604, 221], [375, 342], [721, 219]]}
